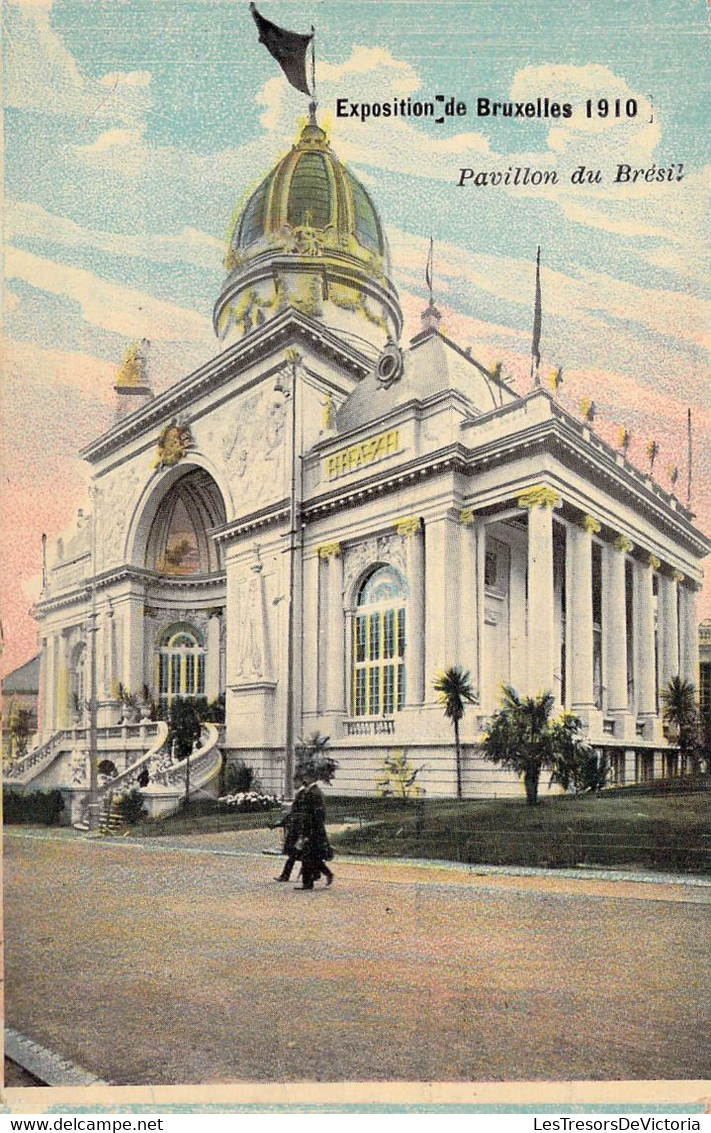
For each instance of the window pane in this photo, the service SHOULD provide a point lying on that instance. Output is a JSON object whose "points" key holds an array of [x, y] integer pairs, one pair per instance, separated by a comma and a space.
{"points": [[163, 667], [175, 674], [360, 623], [374, 691], [401, 632], [201, 674], [374, 651], [359, 706], [388, 689], [400, 686], [389, 633], [189, 674]]}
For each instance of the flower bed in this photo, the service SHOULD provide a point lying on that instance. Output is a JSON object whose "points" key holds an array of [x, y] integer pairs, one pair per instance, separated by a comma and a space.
{"points": [[247, 802]]}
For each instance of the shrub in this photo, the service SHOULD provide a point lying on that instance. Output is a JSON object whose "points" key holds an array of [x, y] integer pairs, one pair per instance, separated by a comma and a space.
{"points": [[239, 778], [312, 762], [43, 808], [247, 802], [131, 808], [398, 778]]}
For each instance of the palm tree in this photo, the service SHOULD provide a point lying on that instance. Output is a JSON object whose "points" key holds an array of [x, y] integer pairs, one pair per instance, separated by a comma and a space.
{"points": [[681, 713], [454, 687], [521, 736]]}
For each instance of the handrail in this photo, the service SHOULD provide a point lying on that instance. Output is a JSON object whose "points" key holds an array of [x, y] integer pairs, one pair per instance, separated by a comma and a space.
{"points": [[43, 754], [174, 776], [124, 779]]}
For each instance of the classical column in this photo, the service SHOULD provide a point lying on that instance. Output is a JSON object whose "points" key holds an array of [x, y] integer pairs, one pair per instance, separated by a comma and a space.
{"points": [[212, 658], [441, 599], [468, 594], [615, 623], [645, 670], [539, 502], [579, 615], [330, 557], [133, 676], [62, 714], [415, 635], [668, 624], [688, 634]]}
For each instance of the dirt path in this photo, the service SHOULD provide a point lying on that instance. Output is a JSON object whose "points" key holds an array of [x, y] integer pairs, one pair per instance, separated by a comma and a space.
{"points": [[184, 962]]}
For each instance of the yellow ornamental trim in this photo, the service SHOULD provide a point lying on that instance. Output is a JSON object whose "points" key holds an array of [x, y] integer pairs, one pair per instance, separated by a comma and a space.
{"points": [[590, 524], [622, 543], [329, 550], [677, 576], [540, 496], [173, 444], [653, 561], [466, 516], [407, 527]]}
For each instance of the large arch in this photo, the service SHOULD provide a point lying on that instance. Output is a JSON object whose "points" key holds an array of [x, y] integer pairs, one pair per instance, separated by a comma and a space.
{"points": [[188, 494]]}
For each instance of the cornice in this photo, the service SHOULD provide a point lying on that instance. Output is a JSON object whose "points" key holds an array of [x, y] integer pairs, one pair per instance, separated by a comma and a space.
{"points": [[279, 332]]}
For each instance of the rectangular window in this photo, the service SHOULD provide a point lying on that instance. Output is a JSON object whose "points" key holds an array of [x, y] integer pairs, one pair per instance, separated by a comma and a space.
{"points": [[360, 634], [374, 691], [389, 633], [401, 633], [163, 667], [400, 686], [175, 675], [201, 675], [189, 675], [388, 690], [490, 565], [374, 643], [359, 706]]}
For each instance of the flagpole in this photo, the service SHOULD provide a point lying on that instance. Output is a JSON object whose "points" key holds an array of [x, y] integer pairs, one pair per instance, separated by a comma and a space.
{"points": [[536, 345], [688, 478], [313, 69]]}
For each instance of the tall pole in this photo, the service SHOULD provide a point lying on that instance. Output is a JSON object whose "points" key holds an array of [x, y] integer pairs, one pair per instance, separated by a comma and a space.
{"points": [[294, 525], [94, 806], [688, 477]]}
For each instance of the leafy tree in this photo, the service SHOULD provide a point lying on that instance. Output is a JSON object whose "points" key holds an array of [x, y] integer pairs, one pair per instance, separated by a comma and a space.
{"points": [[576, 764], [681, 714], [312, 759], [184, 729], [455, 688], [522, 736], [398, 777]]}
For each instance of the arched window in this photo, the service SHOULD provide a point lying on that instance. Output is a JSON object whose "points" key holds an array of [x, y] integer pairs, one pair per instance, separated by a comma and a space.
{"points": [[181, 664], [379, 644], [179, 542]]}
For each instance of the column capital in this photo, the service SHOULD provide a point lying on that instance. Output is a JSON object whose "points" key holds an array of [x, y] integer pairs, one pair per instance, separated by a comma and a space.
{"points": [[652, 561], [466, 516], [329, 550], [539, 496], [589, 524], [623, 544], [677, 576], [407, 526]]}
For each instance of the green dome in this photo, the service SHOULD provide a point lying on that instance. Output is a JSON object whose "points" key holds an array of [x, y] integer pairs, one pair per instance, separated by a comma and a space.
{"points": [[309, 200]]}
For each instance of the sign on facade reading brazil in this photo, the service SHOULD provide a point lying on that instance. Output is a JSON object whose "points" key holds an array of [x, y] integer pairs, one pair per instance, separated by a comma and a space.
{"points": [[369, 451]]}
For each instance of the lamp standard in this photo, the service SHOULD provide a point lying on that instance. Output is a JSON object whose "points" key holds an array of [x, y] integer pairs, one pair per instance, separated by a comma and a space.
{"points": [[289, 392], [94, 806]]}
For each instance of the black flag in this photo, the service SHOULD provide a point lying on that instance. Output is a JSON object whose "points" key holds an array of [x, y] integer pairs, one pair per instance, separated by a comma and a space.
{"points": [[288, 48]]}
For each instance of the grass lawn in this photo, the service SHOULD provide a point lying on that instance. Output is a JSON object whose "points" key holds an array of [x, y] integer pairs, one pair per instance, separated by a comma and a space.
{"points": [[650, 831], [653, 831]]}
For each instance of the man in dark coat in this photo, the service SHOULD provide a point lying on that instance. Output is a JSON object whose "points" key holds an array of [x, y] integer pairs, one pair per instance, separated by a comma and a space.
{"points": [[291, 825], [316, 849]]}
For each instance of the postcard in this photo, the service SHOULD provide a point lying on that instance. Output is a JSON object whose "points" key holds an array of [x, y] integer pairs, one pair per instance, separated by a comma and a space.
{"points": [[357, 637]]}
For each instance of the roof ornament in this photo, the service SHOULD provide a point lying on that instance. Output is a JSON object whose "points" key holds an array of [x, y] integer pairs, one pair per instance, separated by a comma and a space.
{"points": [[390, 365]]}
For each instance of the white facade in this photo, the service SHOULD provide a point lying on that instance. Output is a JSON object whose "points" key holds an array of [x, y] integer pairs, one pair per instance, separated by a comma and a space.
{"points": [[439, 519]]}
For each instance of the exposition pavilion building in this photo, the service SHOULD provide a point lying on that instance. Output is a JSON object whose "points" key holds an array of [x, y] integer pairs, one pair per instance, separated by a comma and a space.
{"points": [[320, 518]]}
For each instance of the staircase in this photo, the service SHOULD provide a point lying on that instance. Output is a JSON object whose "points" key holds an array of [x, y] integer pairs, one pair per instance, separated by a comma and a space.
{"points": [[111, 821]]}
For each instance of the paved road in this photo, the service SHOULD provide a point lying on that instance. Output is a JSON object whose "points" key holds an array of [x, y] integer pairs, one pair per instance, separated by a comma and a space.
{"points": [[159, 962]]}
